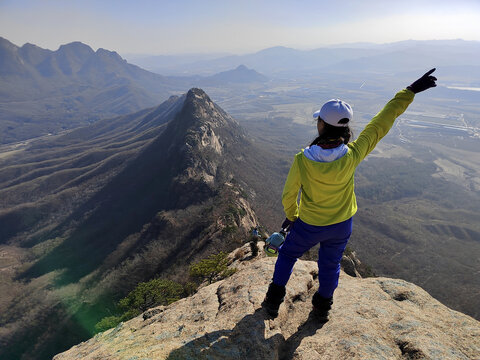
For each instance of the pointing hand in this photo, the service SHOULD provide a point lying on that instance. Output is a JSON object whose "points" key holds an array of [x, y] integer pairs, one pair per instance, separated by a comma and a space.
{"points": [[425, 82]]}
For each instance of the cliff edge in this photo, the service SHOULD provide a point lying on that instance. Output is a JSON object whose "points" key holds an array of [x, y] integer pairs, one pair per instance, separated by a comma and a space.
{"points": [[372, 318]]}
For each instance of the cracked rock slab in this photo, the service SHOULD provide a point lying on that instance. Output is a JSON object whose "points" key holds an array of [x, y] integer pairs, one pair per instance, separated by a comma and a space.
{"points": [[374, 318]]}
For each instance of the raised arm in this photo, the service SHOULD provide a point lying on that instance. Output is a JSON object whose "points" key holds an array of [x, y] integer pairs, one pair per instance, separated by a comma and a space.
{"points": [[381, 123]]}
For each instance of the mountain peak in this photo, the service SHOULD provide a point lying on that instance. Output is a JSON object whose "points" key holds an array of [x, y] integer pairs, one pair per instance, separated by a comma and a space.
{"points": [[201, 134], [197, 93], [277, 50], [75, 46], [5, 44], [103, 53], [32, 46], [199, 107], [373, 318], [241, 74]]}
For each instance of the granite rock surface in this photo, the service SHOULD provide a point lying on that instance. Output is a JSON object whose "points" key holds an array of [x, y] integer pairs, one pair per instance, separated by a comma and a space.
{"points": [[372, 318]]}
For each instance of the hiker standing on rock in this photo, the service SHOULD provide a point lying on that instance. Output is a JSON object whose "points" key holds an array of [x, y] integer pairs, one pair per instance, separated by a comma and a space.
{"points": [[324, 171]]}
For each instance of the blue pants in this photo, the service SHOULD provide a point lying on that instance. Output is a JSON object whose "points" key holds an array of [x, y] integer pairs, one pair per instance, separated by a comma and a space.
{"points": [[333, 240]]}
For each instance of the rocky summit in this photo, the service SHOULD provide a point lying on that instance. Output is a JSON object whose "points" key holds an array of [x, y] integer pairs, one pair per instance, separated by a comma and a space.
{"points": [[372, 318]]}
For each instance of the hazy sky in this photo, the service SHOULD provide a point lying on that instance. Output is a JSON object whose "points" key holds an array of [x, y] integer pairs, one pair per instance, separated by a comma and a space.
{"points": [[189, 26]]}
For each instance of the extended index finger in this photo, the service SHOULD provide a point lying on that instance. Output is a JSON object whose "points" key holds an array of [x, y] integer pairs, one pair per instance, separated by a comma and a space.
{"points": [[429, 72]]}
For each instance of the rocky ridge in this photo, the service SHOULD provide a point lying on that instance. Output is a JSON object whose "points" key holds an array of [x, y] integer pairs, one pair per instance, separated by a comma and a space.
{"points": [[373, 318], [175, 199]]}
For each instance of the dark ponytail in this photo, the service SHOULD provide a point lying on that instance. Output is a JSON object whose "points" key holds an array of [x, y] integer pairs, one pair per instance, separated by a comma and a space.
{"points": [[333, 134]]}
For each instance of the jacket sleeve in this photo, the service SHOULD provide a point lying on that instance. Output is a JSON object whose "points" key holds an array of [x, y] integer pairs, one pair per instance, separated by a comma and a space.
{"points": [[290, 191], [381, 123]]}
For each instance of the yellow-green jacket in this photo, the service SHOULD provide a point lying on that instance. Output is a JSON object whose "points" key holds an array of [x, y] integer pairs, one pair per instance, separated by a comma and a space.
{"points": [[327, 195]]}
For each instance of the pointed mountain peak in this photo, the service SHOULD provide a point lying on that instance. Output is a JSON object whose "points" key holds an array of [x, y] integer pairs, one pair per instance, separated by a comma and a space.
{"points": [[198, 97], [241, 67], [197, 93], [200, 138], [200, 109]]}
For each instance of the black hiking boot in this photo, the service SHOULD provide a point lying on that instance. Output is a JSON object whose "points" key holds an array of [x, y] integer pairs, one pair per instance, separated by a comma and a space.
{"points": [[321, 307], [273, 299]]}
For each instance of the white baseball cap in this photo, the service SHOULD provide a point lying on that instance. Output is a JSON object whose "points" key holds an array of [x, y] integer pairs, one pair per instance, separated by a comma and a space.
{"points": [[333, 111]]}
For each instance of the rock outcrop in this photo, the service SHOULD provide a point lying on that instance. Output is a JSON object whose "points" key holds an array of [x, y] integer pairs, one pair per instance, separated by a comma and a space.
{"points": [[373, 318]]}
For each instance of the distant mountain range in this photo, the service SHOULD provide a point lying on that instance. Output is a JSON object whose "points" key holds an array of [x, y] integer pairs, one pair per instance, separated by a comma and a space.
{"points": [[71, 64], [456, 58], [46, 91]]}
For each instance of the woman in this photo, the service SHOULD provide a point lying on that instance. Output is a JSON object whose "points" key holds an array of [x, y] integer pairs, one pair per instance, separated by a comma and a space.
{"points": [[324, 172]]}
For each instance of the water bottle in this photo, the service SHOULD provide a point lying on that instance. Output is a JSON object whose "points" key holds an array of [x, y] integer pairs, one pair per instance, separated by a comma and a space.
{"points": [[274, 242]]}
